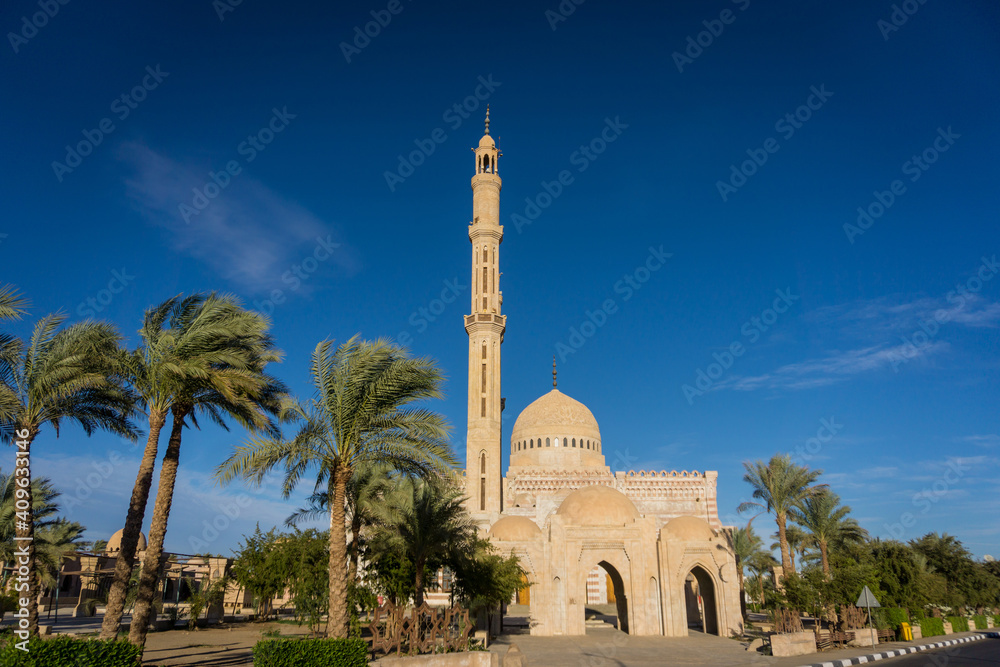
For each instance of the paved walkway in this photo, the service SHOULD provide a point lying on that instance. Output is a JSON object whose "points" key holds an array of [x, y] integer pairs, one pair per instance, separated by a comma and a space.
{"points": [[607, 647]]}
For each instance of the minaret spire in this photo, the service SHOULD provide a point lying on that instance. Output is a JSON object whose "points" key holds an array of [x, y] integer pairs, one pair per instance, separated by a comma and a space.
{"points": [[553, 371], [487, 119]]}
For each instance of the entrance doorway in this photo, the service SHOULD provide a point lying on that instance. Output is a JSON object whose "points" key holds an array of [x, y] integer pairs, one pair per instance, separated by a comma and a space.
{"points": [[699, 602], [606, 605]]}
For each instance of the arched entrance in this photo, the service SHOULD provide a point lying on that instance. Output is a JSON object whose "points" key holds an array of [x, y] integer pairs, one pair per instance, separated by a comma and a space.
{"points": [[700, 602], [606, 602]]}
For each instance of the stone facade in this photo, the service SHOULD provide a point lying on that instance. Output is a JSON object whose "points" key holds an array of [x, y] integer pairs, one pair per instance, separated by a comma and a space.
{"points": [[656, 536]]}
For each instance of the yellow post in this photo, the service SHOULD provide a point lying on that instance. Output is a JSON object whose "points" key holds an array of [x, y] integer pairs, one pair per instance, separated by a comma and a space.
{"points": [[907, 632]]}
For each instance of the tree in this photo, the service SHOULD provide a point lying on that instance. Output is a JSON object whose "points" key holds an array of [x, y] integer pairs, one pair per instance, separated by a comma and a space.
{"points": [[62, 374], [780, 485], [358, 415], [797, 542], [828, 523], [485, 579], [234, 386], [367, 490], [427, 521], [759, 562], [746, 545], [55, 537], [186, 344], [256, 569]]}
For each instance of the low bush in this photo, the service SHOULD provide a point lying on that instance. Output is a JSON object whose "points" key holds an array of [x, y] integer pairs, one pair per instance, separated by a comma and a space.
{"points": [[980, 621], [62, 651], [931, 627], [310, 653], [996, 620], [958, 623], [895, 616]]}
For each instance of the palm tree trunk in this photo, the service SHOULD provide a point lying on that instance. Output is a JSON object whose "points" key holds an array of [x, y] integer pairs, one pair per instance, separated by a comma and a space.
{"points": [[337, 617], [24, 527], [743, 593], [352, 571], [825, 558], [418, 585], [786, 561], [125, 560], [150, 572]]}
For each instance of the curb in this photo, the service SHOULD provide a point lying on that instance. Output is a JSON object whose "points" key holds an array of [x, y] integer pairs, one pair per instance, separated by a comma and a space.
{"points": [[861, 659]]}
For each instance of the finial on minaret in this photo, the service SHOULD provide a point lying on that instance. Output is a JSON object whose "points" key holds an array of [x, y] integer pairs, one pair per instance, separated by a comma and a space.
{"points": [[487, 119], [553, 371]]}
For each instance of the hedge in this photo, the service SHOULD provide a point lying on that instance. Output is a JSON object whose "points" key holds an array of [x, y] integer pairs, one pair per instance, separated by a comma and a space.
{"points": [[62, 651], [958, 623], [980, 621], [931, 627], [310, 653], [895, 616], [996, 620]]}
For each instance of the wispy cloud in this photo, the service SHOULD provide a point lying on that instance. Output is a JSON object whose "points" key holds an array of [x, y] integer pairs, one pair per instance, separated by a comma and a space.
{"points": [[871, 335], [248, 233]]}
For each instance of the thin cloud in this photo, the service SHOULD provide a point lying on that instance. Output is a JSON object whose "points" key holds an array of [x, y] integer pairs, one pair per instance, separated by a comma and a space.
{"points": [[248, 233]]}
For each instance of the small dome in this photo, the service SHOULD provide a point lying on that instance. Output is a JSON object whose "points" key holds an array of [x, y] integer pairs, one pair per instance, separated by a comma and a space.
{"points": [[115, 543], [487, 142], [515, 529], [556, 432], [689, 528], [597, 506]]}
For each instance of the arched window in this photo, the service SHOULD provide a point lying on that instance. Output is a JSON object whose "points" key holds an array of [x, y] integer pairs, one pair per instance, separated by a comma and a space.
{"points": [[547, 442], [532, 441], [482, 482], [574, 443]]}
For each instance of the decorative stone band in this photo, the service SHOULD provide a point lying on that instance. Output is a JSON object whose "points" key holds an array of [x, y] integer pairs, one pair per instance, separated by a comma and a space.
{"points": [[861, 659]]}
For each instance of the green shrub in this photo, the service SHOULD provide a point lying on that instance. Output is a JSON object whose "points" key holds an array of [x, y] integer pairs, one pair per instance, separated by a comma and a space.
{"points": [[62, 651], [958, 623], [895, 616], [980, 621], [919, 614], [996, 620], [311, 653], [931, 627]]}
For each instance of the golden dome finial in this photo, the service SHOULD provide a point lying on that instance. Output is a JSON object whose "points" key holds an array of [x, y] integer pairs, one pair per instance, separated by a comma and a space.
{"points": [[553, 371]]}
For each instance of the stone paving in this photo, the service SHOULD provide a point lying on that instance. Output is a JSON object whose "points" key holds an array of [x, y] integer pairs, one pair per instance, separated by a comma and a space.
{"points": [[607, 647]]}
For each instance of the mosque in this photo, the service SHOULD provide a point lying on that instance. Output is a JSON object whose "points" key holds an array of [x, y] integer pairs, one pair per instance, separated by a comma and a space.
{"points": [[650, 542]]}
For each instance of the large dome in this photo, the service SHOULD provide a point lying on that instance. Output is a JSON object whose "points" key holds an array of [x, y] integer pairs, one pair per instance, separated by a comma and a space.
{"points": [[515, 529], [556, 431], [597, 506], [115, 543], [689, 528]]}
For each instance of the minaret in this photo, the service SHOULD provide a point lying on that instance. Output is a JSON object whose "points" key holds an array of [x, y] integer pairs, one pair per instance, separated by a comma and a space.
{"points": [[485, 326]]}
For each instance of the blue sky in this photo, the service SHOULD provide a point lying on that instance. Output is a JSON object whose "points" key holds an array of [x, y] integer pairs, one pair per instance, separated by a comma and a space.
{"points": [[822, 175]]}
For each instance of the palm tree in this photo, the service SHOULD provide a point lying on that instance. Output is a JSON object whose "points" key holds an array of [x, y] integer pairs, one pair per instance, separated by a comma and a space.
{"points": [[780, 485], [234, 385], [367, 489], [60, 375], [12, 304], [797, 541], [184, 342], [358, 415], [428, 522], [759, 563], [746, 544], [827, 522]]}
